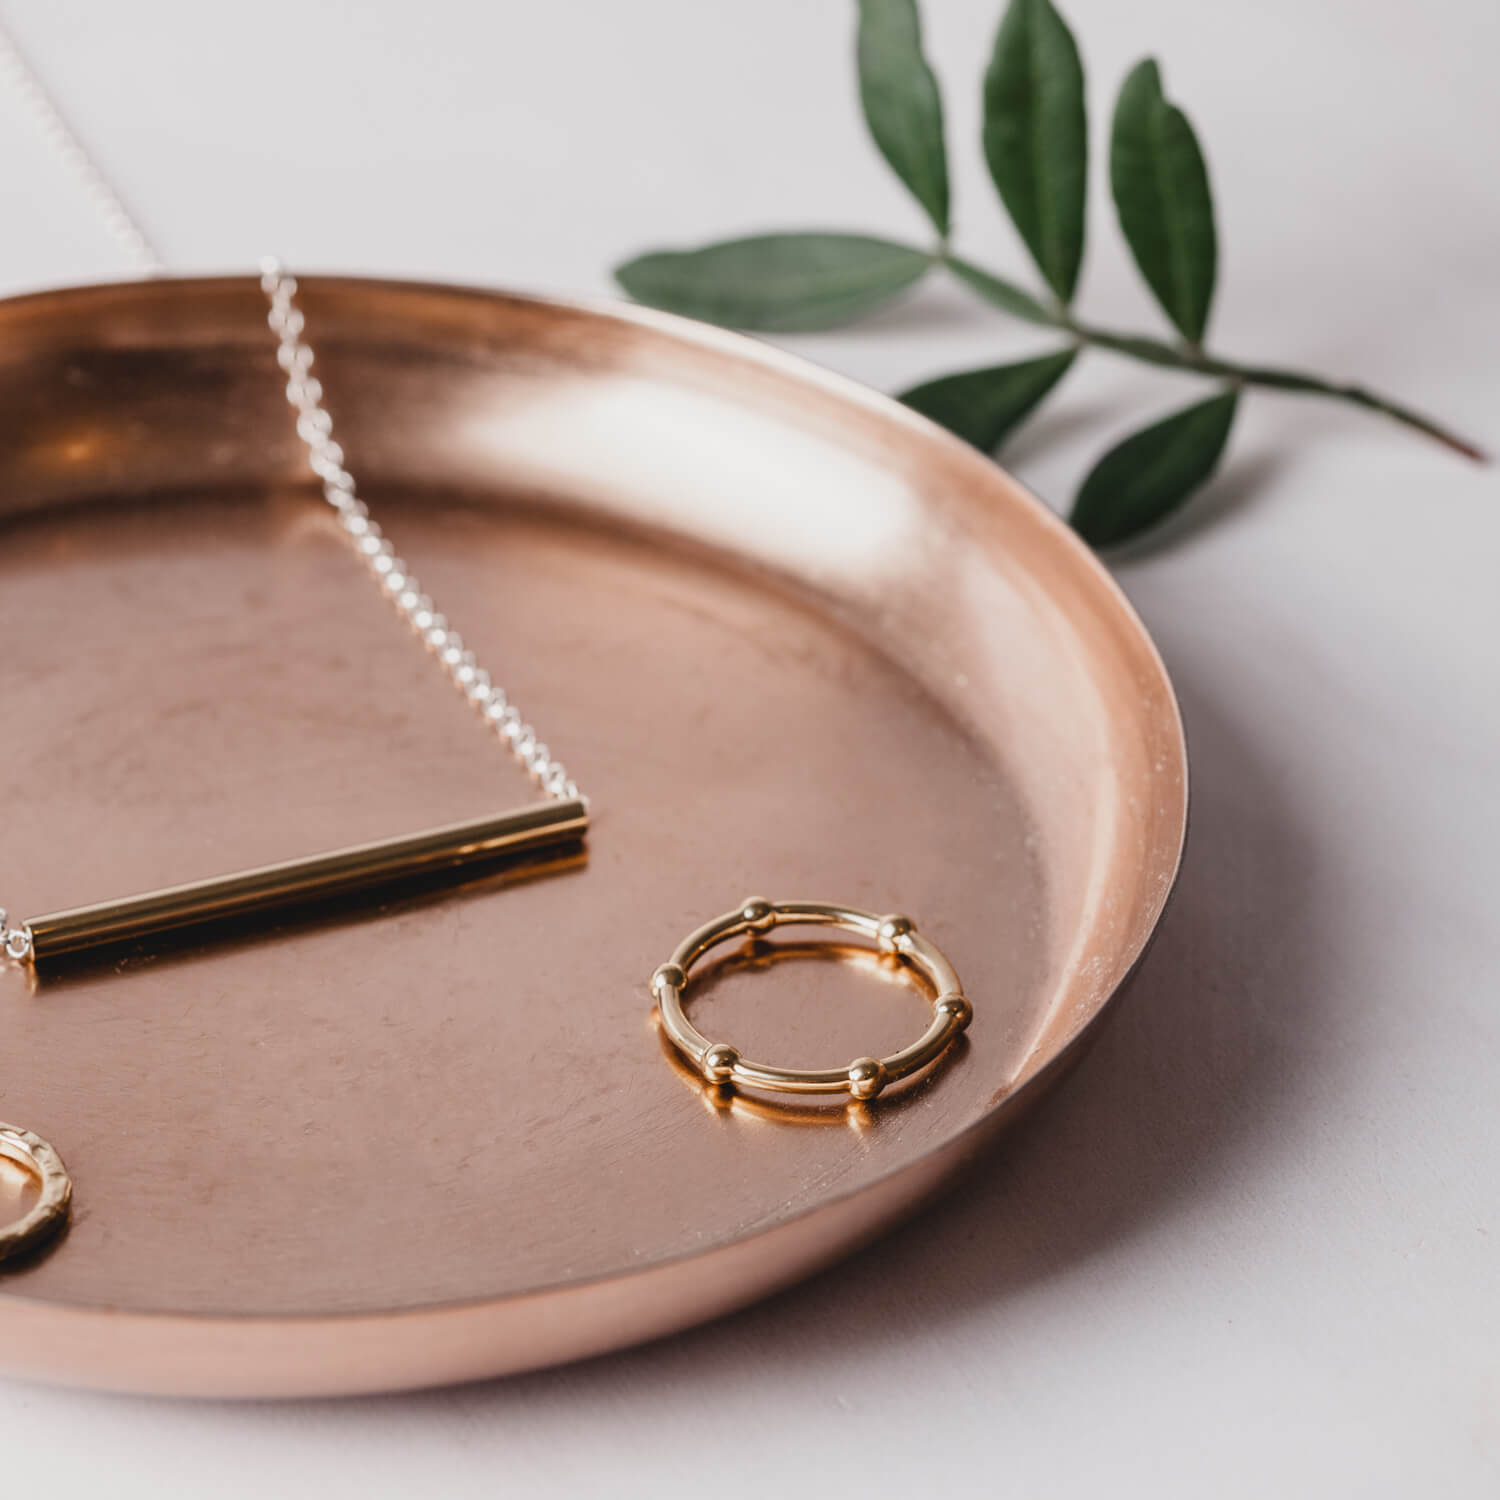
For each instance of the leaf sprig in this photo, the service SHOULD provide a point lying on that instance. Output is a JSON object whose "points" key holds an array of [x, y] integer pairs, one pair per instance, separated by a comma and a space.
{"points": [[1035, 140]]}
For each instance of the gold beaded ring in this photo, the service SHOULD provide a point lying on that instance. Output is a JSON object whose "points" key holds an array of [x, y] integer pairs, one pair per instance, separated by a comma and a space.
{"points": [[865, 1077], [47, 1214]]}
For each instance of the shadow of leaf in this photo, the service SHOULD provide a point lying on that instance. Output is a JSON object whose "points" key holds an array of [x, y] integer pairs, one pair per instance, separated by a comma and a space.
{"points": [[1055, 426]]}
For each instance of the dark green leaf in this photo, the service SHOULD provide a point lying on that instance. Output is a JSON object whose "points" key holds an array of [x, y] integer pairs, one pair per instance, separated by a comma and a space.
{"points": [[901, 101], [1036, 137], [1013, 299], [982, 406], [1149, 475], [782, 283], [1162, 197]]}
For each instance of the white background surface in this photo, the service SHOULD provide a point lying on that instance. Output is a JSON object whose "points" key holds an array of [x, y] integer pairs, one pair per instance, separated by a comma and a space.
{"points": [[1251, 1246]]}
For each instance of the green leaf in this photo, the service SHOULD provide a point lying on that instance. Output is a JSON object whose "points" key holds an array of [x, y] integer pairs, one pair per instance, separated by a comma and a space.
{"points": [[1149, 475], [901, 101], [1036, 137], [983, 406], [782, 283], [1162, 197], [1006, 294]]}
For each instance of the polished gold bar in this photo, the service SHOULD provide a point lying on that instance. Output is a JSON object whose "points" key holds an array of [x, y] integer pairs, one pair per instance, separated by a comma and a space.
{"points": [[302, 882]]}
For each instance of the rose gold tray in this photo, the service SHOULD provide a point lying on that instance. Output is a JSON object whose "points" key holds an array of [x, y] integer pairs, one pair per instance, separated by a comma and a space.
{"points": [[792, 639]]}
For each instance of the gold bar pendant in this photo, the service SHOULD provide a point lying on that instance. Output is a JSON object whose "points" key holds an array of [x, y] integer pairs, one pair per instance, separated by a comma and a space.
{"points": [[301, 882]]}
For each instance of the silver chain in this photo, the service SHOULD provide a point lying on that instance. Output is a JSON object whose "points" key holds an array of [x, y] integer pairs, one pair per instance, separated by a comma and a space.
{"points": [[15, 942], [53, 127], [315, 427], [395, 580]]}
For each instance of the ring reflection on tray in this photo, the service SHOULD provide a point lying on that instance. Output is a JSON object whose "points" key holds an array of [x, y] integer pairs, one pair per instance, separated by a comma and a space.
{"points": [[759, 954]]}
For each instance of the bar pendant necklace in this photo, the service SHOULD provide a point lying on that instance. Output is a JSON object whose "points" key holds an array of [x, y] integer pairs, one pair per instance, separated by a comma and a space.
{"points": [[294, 886], [560, 819]]}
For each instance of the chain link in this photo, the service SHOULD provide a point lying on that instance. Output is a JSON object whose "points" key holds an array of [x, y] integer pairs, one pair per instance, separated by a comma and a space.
{"points": [[15, 942], [53, 127], [304, 392]]}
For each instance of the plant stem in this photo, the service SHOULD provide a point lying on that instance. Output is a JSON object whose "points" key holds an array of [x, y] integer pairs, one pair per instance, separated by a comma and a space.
{"points": [[1157, 353], [1180, 357]]}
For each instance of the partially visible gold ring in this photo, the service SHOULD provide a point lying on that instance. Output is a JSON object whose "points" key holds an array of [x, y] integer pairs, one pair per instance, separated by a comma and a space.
{"points": [[47, 1214], [865, 1077]]}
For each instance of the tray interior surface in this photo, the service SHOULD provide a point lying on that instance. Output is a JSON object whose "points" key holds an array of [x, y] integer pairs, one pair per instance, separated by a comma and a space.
{"points": [[791, 643]]}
